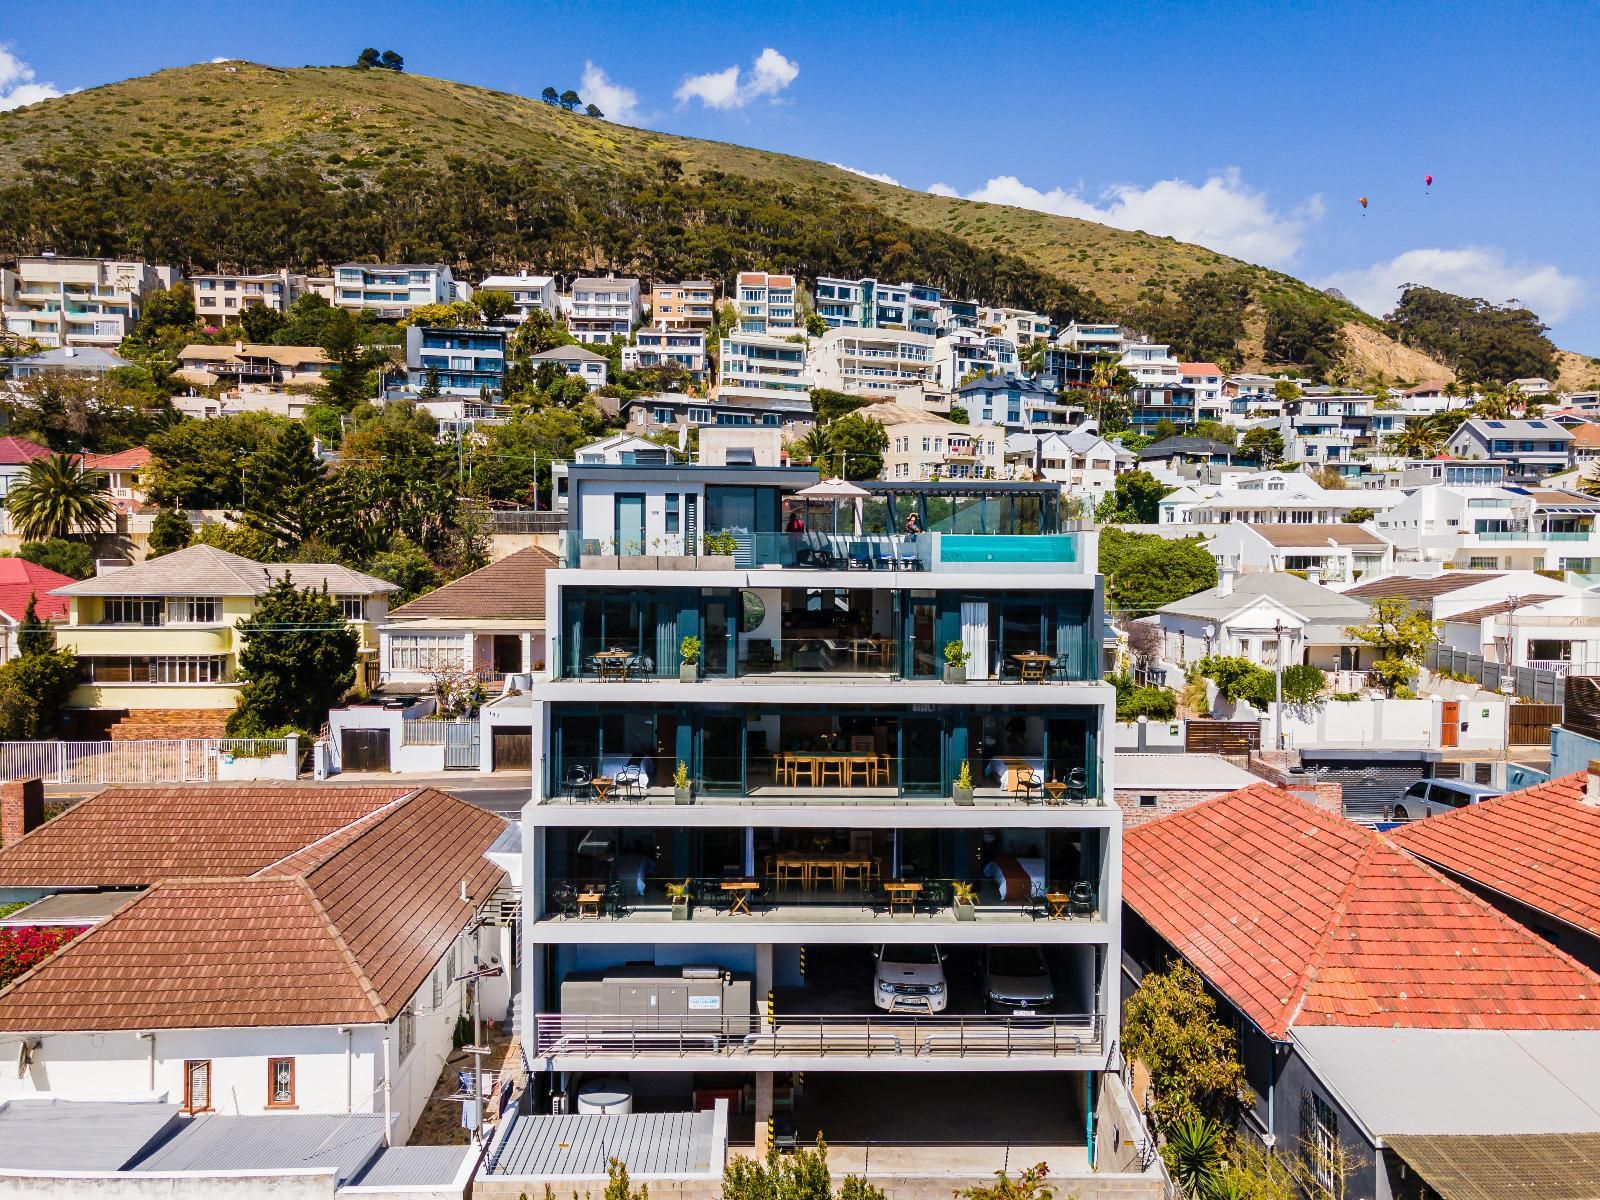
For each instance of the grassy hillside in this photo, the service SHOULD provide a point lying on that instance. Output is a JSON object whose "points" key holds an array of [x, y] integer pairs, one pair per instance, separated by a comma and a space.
{"points": [[354, 131]]}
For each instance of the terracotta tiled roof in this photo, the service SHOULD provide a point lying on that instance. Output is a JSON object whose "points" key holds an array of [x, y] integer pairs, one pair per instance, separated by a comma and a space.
{"points": [[121, 460], [16, 452], [21, 579], [511, 587], [133, 837], [343, 932], [1418, 587], [1540, 846], [1333, 925], [1497, 608], [1285, 534]]}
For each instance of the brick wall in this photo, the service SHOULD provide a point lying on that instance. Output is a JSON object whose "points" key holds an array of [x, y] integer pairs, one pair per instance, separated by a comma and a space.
{"points": [[21, 808], [1273, 766], [1168, 800]]}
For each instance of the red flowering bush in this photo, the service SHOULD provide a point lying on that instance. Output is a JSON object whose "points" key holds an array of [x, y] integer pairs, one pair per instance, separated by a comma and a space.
{"points": [[22, 949]]}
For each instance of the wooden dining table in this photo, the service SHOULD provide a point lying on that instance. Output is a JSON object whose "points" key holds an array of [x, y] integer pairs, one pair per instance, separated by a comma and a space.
{"points": [[589, 903], [903, 892], [1033, 665], [613, 664], [848, 761]]}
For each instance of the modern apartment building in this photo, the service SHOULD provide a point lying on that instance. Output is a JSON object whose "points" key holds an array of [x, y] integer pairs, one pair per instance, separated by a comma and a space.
{"points": [[1510, 528], [391, 290], [868, 361], [1071, 358], [223, 297], [463, 362], [1021, 325], [962, 352], [529, 293], [852, 835], [1015, 403], [602, 310], [664, 345], [868, 304], [766, 304], [58, 301], [752, 365], [688, 305], [1530, 449], [1158, 393], [1203, 383]]}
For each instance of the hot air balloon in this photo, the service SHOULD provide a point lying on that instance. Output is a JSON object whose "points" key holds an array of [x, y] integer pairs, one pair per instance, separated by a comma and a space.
{"points": [[1427, 180], [1363, 206]]}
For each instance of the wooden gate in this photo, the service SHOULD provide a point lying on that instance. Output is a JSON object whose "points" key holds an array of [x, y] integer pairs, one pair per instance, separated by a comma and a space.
{"points": [[1530, 723], [1221, 737], [512, 749], [364, 749]]}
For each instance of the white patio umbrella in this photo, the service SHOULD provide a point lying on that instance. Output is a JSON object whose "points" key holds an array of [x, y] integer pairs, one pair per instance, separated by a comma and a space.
{"points": [[836, 490]]}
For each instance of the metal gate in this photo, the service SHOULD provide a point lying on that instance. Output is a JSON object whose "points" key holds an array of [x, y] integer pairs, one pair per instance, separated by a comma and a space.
{"points": [[461, 746], [513, 749], [364, 749]]}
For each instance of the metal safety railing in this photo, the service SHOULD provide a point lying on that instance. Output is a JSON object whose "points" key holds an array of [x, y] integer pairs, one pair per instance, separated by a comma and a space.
{"points": [[175, 760], [878, 1035]]}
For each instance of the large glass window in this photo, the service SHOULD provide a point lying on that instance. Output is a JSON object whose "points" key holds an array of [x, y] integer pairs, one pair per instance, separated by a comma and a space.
{"points": [[134, 610], [426, 652], [193, 610]]}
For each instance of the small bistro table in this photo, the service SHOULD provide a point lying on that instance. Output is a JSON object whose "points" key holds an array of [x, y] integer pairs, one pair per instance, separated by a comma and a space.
{"points": [[1058, 902], [903, 892], [739, 892], [589, 903]]}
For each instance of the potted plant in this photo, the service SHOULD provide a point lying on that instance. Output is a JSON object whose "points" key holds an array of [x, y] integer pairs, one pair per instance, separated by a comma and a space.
{"points": [[689, 652], [955, 662], [964, 900], [963, 788], [718, 550], [680, 894], [680, 783]]}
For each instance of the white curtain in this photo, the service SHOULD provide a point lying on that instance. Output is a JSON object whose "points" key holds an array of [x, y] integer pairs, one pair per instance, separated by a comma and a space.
{"points": [[975, 637]]}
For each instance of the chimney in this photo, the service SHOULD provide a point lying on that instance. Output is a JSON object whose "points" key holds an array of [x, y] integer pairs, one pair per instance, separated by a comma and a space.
{"points": [[1591, 784], [1225, 578], [21, 808], [1314, 575]]}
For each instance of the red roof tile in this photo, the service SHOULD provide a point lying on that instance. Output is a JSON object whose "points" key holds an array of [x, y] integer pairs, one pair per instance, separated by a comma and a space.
{"points": [[509, 588], [119, 460], [133, 837], [343, 932], [21, 580], [1332, 925], [17, 452], [1540, 846]]}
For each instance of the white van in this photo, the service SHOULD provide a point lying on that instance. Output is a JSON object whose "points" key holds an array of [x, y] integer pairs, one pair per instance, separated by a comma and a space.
{"points": [[1433, 797]]}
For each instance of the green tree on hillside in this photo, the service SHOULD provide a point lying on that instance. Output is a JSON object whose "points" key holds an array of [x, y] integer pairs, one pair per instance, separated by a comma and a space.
{"points": [[60, 554], [297, 659], [368, 57], [855, 447], [1304, 332], [202, 464], [493, 303], [171, 530], [550, 96], [570, 100], [393, 61], [57, 498], [33, 635], [1135, 499], [592, 110], [288, 498], [1402, 634], [1159, 572]]}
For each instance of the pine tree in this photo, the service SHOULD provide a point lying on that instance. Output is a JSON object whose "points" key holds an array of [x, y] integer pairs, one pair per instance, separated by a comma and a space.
{"points": [[287, 497], [297, 660], [34, 636]]}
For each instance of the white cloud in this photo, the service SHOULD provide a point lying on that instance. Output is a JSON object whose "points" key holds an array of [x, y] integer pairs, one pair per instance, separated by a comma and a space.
{"points": [[17, 86], [889, 179], [1223, 213], [1478, 271], [617, 102], [770, 74]]}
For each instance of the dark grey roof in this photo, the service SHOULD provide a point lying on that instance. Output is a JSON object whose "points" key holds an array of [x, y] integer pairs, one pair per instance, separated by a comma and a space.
{"points": [[72, 358], [402, 1166], [582, 1144], [567, 354], [274, 1142], [1167, 447], [42, 1134], [1005, 383]]}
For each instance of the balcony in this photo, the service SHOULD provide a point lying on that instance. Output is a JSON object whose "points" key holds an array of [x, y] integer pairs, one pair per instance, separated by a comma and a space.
{"points": [[818, 551], [819, 1035]]}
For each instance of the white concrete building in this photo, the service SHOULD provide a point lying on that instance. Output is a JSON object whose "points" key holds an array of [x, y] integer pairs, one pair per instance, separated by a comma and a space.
{"points": [[224, 297], [1082, 461], [1336, 553], [964, 352], [529, 293], [825, 762], [664, 345], [766, 304], [1532, 449], [318, 963], [1203, 382], [59, 301], [756, 365], [870, 304], [867, 362], [1267, 498], [1496, 528], [594, 369], [603, 310], [391, 290]]}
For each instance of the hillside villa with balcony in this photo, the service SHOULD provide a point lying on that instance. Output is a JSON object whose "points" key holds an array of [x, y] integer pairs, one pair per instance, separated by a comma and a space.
{"points": [[245, 365], [761, 366], [755, 768], [868, 362], [391, 290], [160, 636], [602, 310], [529, 293], [223, 297], [1497, 528], [924, 445], [60, 301], [1531, 449], [691, 304]]}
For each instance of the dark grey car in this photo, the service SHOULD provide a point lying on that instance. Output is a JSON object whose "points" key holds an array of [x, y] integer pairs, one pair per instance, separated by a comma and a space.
{"points": [[1015, 979]]}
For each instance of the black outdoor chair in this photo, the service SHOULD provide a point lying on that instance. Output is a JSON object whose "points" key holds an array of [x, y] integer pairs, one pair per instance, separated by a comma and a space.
{"points": [[1077, 785], [564, 899], [577, 781], [1061, 668], [611, 902], [1080, 899]]}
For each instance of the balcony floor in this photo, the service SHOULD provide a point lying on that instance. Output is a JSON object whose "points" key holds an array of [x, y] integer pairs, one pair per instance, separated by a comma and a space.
{"points": [[767, 794]]}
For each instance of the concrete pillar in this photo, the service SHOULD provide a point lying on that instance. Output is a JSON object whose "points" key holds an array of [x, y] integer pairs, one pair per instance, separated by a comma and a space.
{"points": [[764, 980], [763, 1109], [527, 651]]}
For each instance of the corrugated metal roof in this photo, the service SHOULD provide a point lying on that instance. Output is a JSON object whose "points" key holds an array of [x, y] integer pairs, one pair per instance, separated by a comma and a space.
{"points": [[279, 1142], [1505, 1167], [400, 1166], [77, 1135], [1459, 1081], [72, 908], [582, 1144]]}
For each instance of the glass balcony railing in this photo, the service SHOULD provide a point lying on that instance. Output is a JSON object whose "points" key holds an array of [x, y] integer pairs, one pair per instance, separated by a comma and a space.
{"points": [[831, 551]]}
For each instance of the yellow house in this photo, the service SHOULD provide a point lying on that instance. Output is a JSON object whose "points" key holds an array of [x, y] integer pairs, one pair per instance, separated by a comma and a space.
{"points": [[160, 636]]}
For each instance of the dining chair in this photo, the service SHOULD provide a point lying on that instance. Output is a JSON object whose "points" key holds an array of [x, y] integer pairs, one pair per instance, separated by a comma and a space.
{"points": [[806, 765], [564, 898], [611, 900], [576, 782], [853, 874], [1026, 784], [1080, 899], [833, 766], [866, 766], [791, 871], [825, 871], [1078, 785]]}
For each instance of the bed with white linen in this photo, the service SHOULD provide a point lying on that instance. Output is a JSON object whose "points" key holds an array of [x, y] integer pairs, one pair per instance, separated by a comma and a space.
{"points": [[1009, 871]]}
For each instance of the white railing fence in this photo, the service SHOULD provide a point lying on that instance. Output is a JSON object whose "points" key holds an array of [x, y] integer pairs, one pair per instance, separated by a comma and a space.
{"points": [[176, 760]]}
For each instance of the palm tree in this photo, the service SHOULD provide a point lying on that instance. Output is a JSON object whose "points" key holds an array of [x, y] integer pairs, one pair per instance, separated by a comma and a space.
{"points": [[812, 446], [1493, 407], [1418, 439], [56, 498]]}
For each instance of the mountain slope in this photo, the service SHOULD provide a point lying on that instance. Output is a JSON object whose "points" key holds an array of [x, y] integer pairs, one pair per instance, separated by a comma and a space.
{"points": [[348, 128]]}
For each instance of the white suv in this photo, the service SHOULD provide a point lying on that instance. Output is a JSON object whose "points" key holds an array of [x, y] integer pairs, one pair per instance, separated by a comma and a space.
{"points": [[910, 979]]}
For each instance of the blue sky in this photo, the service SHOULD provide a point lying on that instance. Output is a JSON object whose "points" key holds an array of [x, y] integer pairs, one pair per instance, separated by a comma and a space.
{"points": [[1250, 127]]}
